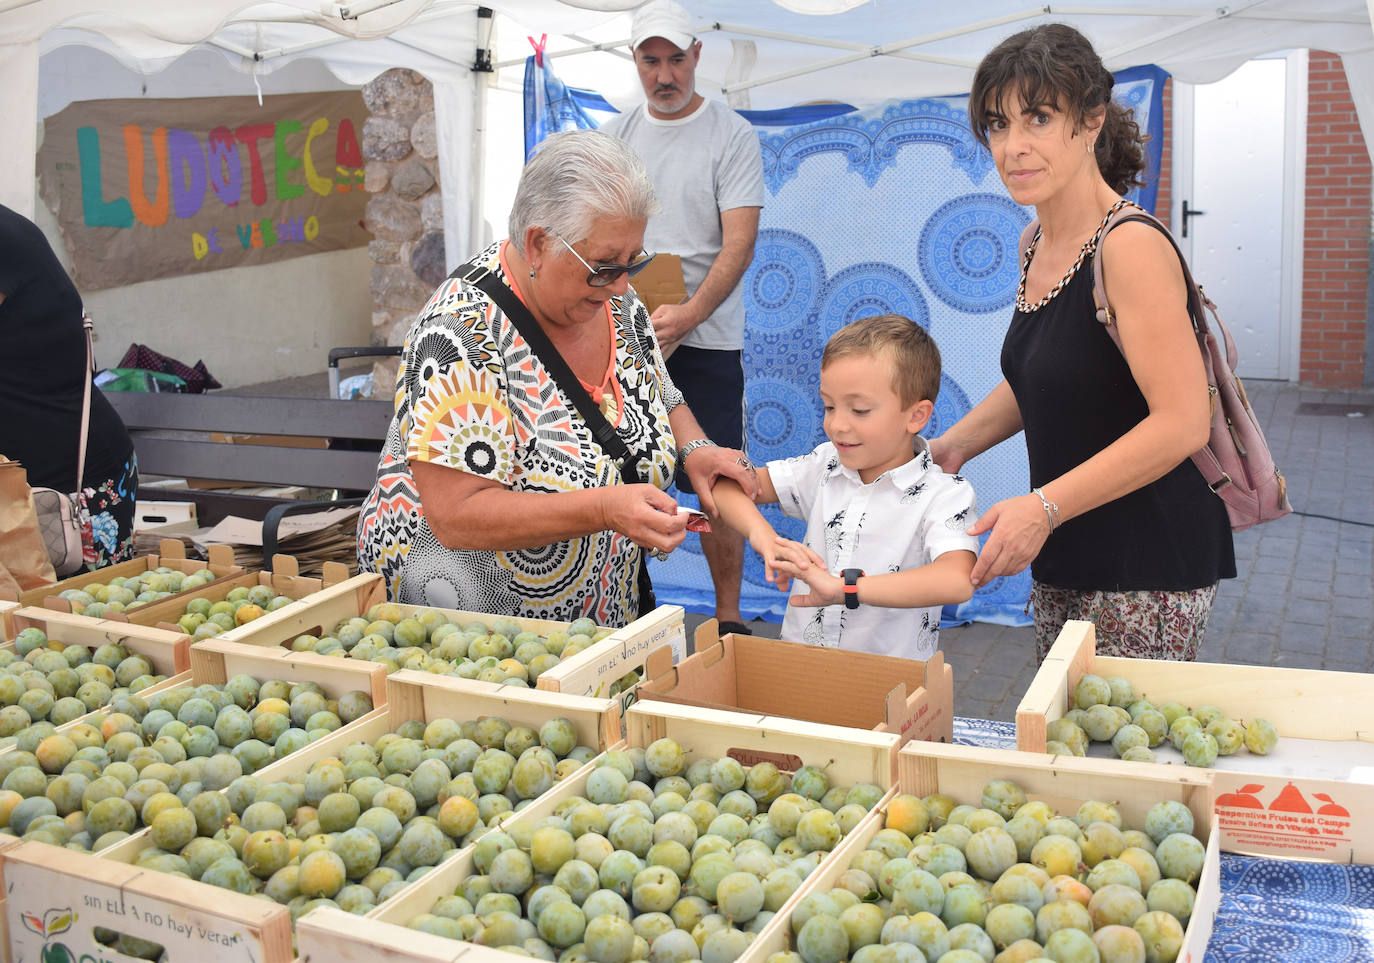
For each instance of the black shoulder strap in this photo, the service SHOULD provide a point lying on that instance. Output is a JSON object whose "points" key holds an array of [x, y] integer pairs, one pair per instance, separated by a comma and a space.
{"points": [[544, 350], [563, 376]]}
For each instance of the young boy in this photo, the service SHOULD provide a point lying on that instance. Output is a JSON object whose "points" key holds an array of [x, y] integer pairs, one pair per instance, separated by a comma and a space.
{"points": [[885, 540]]}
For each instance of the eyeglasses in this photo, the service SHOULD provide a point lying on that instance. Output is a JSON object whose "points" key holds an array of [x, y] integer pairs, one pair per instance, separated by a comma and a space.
{"points": [[604, 274]]}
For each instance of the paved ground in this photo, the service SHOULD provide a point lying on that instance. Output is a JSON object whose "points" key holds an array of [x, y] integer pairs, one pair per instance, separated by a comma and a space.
{"points": [[1304, 592]]}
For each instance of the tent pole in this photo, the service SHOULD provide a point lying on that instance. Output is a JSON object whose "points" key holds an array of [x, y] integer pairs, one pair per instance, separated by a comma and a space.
{"points": [[482, 70]]}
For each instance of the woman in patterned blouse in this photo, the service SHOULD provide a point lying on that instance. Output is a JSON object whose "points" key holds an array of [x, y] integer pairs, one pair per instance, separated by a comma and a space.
{"points": [[492, 492]]}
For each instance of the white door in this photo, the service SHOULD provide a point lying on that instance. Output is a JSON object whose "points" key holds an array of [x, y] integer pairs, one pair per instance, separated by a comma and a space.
{"points": [[1234, 210]]}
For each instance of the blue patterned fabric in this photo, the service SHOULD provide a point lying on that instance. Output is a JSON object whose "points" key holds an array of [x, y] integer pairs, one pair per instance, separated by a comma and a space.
{"points": [[1272, 910], [552, 106], [893, 208]]}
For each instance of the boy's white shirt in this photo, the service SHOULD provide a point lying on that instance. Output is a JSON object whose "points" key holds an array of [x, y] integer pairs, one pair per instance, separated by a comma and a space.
{"points": [[903, 519]]}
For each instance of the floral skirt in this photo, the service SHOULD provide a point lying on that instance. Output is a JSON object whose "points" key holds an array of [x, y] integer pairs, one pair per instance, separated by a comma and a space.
{"points": [[110, 505], [1134, 625]]}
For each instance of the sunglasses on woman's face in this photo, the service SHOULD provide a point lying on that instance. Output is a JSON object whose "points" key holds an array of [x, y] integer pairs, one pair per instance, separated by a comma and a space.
{"points": [[604, 274]]}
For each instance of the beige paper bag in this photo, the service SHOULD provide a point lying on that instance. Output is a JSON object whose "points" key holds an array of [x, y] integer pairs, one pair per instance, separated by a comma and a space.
{"points": [[23, 556]]}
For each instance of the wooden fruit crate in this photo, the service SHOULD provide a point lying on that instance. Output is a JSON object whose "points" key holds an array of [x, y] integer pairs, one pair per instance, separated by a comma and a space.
{"points": [[745, 673], [1063, 782], [7, 610], [172, 554], [284, 579], [1309, 799], [588, 673], [192, 920], [853, 756], [168, 652]]}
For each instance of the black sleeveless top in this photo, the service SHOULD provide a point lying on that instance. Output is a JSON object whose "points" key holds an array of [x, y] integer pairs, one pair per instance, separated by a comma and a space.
{"points": [[1076, 397]]}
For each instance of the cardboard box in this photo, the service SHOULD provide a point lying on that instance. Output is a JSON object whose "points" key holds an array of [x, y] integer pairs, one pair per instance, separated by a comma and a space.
{"points": [[171, 554], [153, 514], [1064, 783], [192, 920], [855, 756], [588, 673], [1309, 799], [745, 673]]}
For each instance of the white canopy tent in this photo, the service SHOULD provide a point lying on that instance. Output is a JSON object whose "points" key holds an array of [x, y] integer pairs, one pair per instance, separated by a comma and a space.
{"points": [[781, 52]]}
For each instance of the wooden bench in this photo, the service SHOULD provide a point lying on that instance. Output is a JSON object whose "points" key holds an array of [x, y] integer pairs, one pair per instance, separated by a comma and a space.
{"points": [[174, 435]]}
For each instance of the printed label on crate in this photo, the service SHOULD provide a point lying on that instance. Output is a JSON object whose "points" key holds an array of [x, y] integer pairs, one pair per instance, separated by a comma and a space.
{"points": [[1275, 814], [71, 933]]}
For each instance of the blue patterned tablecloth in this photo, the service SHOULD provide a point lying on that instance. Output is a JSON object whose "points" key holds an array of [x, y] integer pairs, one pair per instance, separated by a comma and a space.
{"points": [[1271, 909]]}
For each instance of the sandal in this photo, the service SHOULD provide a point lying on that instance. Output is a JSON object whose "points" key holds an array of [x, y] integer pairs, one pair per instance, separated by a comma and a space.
{"points": [[734, 628]]}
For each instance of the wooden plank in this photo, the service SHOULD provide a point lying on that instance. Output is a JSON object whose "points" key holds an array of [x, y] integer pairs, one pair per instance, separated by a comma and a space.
{"points": [[591, 671], [368, 941], [152, 906], [851, 755], [217, 660], [317, 417]]}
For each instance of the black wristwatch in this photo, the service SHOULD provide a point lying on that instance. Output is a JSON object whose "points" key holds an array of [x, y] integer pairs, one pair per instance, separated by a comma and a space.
{"points": [[851, 578]]}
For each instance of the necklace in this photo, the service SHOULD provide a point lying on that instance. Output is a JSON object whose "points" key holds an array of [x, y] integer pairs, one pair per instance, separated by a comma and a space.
{"points": [[1089, 246]]}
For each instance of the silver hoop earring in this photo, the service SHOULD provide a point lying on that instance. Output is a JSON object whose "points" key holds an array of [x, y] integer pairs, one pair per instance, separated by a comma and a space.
{"points": [[1089, 147]]}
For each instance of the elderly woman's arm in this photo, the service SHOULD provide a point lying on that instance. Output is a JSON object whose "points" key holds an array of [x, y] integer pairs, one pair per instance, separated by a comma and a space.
{"points": [[469, 512], [709, 462]]}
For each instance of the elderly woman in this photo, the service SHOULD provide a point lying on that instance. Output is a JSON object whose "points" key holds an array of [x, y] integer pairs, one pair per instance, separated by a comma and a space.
{"points": [[493, 493], [1119, 526]]}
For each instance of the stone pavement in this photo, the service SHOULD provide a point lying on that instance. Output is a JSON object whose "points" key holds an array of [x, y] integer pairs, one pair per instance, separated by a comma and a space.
{"points": [[1304, 592]]}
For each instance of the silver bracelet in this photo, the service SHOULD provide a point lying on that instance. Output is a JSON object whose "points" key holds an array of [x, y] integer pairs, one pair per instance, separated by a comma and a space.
{"points": [[692, 446], [1051, 509]]}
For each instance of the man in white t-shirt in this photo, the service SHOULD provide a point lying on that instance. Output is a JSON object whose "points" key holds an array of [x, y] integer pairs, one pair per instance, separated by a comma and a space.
{"points": [[707, 169]]}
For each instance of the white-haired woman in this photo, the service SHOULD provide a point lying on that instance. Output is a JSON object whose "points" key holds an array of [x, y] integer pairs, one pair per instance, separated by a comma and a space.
{"points": [[493, 493]]}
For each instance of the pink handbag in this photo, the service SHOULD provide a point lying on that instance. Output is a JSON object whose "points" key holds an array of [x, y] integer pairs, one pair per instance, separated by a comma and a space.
{"points": [[1236, 460]]}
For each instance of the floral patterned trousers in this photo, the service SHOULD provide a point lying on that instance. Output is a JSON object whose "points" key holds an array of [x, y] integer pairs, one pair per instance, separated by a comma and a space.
{"points": [[111, 507], [1135, 625]]}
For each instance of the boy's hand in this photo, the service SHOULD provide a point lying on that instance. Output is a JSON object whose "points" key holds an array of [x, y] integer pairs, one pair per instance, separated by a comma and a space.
{"points": [[782, 558], [826, 589]]}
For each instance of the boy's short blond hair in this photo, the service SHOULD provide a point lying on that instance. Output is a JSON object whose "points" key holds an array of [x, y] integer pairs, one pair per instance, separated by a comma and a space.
{"points": [[910, 350]]}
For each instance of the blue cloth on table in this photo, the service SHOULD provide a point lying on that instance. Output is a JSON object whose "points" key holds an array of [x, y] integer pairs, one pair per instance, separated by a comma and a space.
{"points": [[1276, 910]]}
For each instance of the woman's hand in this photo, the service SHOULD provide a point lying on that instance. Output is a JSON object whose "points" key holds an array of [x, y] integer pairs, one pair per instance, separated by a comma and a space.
{"points": [[783, 559], [645, 515], [704, 465], [945, 454], [1019, 528]]}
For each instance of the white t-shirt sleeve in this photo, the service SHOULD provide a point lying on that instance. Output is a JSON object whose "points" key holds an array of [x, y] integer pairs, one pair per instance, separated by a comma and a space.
{"points": [[797, 480], [953, 509], [740, 180]]}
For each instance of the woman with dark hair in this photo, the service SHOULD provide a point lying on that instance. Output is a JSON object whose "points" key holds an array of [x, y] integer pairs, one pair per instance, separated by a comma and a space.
{"points": [[1119, 527]]}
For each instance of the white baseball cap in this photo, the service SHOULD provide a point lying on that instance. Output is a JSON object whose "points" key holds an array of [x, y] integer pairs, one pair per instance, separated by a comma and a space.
{"points": [[662, 18]]}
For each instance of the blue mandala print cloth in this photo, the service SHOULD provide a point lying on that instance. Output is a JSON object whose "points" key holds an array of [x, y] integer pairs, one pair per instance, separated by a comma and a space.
{"points": [[893, 208]]}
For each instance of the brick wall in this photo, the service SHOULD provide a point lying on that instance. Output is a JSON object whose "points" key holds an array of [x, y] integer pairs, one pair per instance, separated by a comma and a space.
{"points": [[1165, 197], [1335, 304]]}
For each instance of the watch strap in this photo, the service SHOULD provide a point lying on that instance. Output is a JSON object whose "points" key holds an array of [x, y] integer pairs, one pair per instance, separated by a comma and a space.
{"points": [[851, 578]]}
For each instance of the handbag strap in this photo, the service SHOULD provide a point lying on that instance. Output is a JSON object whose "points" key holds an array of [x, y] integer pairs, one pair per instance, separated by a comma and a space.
{"points": [[86, 326], [563, 376], [548, 355]]}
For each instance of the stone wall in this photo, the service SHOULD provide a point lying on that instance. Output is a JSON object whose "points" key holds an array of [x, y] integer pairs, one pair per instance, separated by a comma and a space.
{"points": [[405, 212]]}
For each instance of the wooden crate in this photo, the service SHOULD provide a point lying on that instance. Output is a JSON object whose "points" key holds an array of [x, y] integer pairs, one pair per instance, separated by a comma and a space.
{"points": [[744, 673], [7, 610], [168, 652], [1307, 800], [192, 920], [1064, 783], [588, 673], [284, 579], [171, 554], [853, 756]]}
